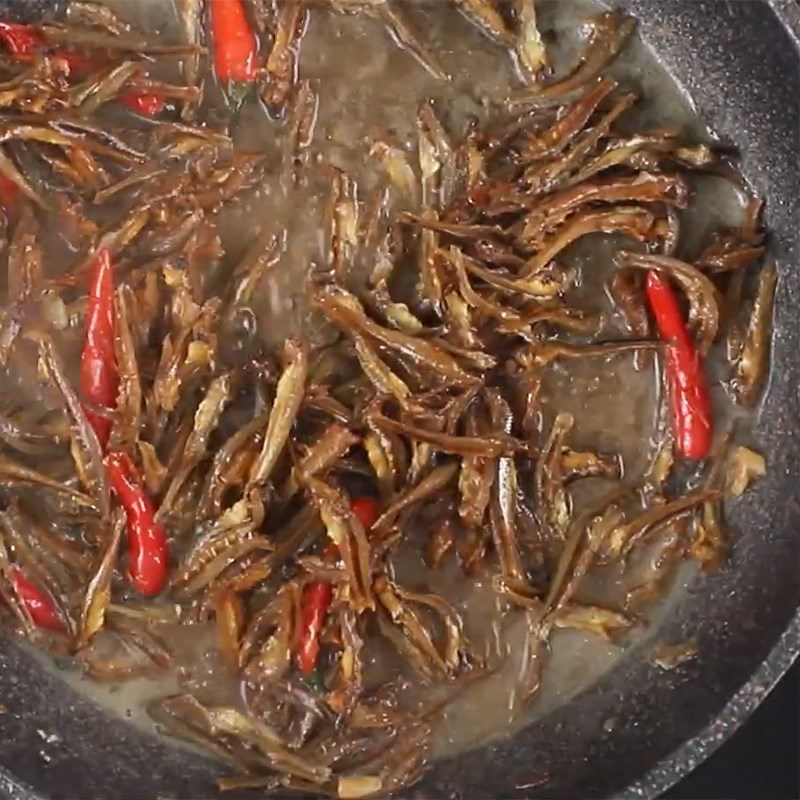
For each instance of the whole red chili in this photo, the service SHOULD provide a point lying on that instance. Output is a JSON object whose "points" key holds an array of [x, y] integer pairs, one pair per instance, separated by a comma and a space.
{"points": [[235, 47], [317, 598], [39, 604], [99, 375], [148, 104], [148, 553], [8, 192], [366, 509], [317, 595], [691, 408], [20, 40]]}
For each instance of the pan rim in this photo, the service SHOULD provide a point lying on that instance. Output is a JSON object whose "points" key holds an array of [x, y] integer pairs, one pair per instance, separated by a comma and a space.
{"points": [[736, 711]]}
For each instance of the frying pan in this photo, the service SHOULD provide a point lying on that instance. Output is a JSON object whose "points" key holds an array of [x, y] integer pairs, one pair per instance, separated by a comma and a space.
{"points": [[639, 729]]}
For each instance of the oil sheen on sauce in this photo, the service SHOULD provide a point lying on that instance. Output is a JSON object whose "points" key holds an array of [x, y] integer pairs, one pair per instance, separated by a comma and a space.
{"points": [[370, 89]]}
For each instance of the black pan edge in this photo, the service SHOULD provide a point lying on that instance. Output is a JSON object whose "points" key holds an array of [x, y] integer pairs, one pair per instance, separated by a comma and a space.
{"points": [[788, 12], [694, 752]]}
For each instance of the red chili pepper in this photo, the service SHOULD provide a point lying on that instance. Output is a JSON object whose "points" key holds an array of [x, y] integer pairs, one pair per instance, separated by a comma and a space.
{"points": [[691, 408], [8, 192], [366, 509], [317, 598], [317, 595], [148, 104], [99, 375], [39, 604], [75, 62], [148, 553], [235, 46], [20, 40]]}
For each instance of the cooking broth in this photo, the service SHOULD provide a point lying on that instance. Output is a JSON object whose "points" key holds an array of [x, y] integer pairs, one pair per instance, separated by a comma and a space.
{"points": [[370, 90]]}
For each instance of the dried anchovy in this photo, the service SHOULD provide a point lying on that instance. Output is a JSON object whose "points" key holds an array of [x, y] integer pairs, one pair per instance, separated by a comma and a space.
{"points": [[751, 368], [288, 396], [85, 446]]}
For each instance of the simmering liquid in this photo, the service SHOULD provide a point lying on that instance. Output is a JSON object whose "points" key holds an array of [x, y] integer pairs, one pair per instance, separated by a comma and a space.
{"points": [[370, 90]]}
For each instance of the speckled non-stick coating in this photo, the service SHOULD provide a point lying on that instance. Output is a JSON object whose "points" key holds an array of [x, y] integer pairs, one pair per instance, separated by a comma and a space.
{"points": [[639, 729]]}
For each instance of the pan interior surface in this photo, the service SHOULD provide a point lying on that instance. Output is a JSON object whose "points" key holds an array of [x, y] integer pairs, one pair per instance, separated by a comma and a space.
{"points": [[740, 67]]}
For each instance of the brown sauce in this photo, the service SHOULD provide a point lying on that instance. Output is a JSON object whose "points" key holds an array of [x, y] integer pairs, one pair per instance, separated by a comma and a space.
{"points": [[371, 90]]}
